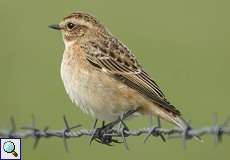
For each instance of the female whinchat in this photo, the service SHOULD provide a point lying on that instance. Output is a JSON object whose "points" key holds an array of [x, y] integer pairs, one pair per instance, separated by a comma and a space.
{"points": [[103, 77]]}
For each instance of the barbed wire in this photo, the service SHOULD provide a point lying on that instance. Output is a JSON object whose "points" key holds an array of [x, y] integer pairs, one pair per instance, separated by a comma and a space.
{"points": [[122, 131]]}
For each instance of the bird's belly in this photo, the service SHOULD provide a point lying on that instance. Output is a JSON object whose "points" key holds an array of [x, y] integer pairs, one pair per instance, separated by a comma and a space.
{"points": [[97, 94]]}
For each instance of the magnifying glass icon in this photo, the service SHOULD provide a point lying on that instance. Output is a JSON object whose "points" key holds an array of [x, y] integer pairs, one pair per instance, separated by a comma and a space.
{"points": [[9, 147]]}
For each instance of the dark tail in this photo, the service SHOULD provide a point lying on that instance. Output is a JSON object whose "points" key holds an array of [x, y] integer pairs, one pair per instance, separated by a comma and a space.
{"points": [[178, 121]]}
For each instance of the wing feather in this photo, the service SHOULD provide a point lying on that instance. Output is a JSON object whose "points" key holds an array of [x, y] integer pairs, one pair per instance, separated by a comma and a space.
{"points": [[120, 63]]}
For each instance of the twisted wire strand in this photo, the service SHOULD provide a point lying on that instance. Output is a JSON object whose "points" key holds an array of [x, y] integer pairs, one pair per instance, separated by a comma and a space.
{"points": [[77, 131]]}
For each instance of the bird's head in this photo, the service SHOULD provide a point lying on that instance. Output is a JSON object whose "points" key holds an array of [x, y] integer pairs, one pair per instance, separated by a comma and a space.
{"points": [[79, 26]]}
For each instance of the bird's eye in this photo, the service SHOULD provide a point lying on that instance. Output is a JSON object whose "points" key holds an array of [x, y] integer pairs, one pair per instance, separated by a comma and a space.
{"points": [[70, 25]]}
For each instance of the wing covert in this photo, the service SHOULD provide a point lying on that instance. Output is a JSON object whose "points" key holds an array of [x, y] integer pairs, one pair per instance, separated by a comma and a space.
{"points": [[117, 61]]}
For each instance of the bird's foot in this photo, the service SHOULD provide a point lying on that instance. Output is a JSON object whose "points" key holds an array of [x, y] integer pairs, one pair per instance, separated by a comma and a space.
{"points": [[104, 134]]}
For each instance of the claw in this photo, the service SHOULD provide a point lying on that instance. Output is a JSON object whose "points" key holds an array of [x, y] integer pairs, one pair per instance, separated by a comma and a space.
{"points": [[104, 134]]}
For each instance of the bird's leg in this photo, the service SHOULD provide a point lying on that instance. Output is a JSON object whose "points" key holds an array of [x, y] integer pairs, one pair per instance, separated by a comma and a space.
{"points": [[95, 123], [103, 124], [104, 134], [120, 119], [98, 133]]}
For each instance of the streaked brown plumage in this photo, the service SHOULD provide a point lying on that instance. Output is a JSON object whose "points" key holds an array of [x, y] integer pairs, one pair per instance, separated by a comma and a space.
{"points": [[102, 75]]}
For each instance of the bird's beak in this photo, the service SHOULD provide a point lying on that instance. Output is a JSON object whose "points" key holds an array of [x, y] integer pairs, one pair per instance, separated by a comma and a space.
{"points": [[55, 26]]}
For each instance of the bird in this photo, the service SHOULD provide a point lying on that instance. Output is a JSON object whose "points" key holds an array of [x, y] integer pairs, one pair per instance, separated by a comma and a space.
{"points": [[104, 78]]}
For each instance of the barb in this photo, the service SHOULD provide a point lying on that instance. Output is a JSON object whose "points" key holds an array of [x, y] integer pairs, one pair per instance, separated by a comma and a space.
{"points": [[153, 130], [217, 130], [67, 130]]}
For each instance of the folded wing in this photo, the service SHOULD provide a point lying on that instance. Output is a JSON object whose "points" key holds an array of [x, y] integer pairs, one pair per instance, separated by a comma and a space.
{"points": [[118, 62]]}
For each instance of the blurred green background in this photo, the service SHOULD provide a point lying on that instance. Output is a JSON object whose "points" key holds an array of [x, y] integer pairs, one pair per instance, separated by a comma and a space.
{"points": [[183, 44]]}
